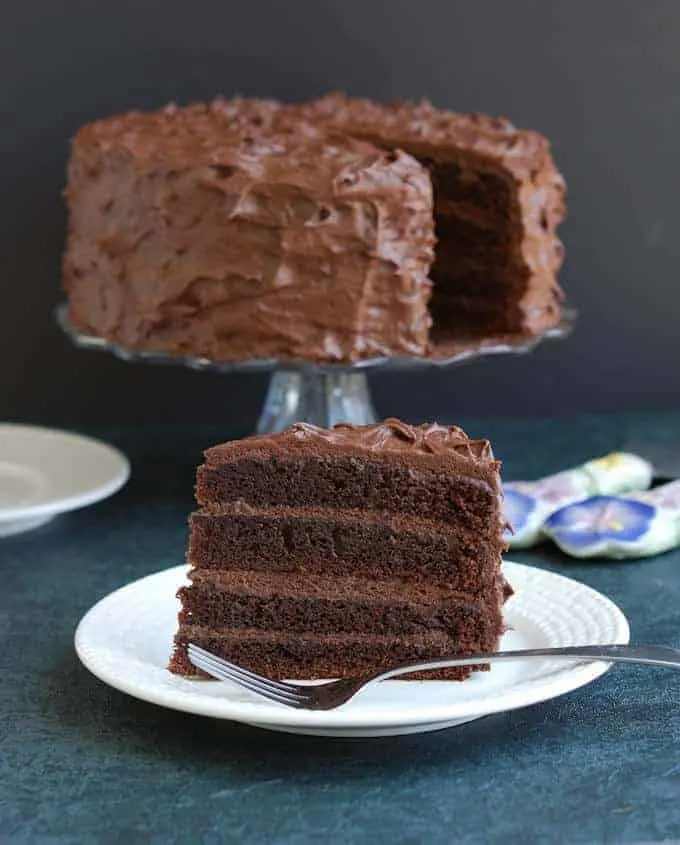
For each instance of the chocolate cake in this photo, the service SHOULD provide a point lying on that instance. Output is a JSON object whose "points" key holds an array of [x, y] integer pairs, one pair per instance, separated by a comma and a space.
{"points": [[322, 553], [248, 229]]}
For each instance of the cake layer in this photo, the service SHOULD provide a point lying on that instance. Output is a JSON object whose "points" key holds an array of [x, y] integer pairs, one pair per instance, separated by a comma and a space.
{"points": [[465, 245], [310, 656], [478, 314], [344, 543], [485, 191], [474, 314], [347, 482], [325, 604], [495, 287]]}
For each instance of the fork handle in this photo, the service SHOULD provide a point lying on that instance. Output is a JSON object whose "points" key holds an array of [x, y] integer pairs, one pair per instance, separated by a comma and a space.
{"points": [[652, 655]]}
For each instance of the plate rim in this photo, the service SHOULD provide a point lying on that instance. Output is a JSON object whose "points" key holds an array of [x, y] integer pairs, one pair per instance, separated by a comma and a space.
{"points": [[88, 496], [532, 691]]}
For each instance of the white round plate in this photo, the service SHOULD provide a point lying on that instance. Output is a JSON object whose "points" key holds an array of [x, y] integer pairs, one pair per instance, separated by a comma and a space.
{"points": [[44, 472], [126, 640]]}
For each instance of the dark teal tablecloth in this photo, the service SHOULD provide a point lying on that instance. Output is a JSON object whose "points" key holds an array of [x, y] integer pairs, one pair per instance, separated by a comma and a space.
{"points": [[82, 762]]}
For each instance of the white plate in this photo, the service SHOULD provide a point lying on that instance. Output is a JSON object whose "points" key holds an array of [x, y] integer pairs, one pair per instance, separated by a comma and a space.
{"points": [[44, 472], [125, 640]]}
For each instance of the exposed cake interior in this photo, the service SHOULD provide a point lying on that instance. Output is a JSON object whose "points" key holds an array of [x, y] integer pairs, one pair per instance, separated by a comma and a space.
{"points": [[322, 553], [477, 281], [498, 202]]}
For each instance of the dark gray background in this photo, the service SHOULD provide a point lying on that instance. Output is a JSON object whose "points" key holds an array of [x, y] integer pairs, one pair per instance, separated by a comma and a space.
{"points": [[600, 78]]}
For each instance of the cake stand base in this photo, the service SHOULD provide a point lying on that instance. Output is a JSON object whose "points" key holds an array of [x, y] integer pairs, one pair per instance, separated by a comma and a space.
{"points": [[323, 398]]}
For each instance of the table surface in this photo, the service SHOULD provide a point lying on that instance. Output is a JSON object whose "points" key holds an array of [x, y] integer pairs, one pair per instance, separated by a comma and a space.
{"points": [[82, 762]]}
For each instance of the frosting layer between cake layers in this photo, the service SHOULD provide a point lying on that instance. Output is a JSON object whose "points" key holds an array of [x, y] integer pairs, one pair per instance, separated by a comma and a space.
{"points": [[322, 553]]}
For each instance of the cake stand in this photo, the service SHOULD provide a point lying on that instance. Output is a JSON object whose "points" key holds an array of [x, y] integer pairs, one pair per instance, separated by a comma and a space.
{"points": [[321, 393]]}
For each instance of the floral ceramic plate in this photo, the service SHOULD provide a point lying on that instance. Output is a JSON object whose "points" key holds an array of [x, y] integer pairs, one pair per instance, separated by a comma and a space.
{"points": [[637, 525], [528, 504]]}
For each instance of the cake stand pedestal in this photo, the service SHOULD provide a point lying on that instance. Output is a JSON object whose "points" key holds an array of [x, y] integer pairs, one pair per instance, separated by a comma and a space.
{"points": [[324, 398], [322, 394]]}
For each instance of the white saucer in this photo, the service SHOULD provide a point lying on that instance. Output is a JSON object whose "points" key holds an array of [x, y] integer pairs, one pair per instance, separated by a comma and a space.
{"points": [[126, 639], [44, 472]]}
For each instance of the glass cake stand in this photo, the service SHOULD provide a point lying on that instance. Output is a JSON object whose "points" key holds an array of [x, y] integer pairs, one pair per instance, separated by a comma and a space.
{"points": [[321, 393]]}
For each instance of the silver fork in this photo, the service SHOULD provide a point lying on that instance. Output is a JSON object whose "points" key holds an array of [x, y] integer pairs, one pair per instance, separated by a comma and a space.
{"points": [[331, 694]]}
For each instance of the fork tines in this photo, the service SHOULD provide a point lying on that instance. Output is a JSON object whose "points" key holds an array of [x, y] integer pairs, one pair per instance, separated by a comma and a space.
{"points": [[220, 668]]}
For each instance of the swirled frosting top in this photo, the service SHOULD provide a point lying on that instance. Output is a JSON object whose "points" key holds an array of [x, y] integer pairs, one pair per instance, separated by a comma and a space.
{"points": [[391, 436], [420, 125]]}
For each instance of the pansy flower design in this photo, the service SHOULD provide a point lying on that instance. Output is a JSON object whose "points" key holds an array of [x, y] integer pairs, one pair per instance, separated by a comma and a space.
{"points": [[589, 525], [518, 508], [556, 489], [666, 496]]}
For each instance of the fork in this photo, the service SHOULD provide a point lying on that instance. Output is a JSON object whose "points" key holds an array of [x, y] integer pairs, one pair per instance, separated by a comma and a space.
{"points": [[331, 694]]}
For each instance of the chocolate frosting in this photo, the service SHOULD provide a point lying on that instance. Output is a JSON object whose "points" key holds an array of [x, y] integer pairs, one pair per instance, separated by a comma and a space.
{"points": [[393, 435], [390, 437], [422, 127], [230, 243]]}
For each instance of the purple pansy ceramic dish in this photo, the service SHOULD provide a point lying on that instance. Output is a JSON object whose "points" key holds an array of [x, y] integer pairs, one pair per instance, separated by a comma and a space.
{"points": [[599, 519]]}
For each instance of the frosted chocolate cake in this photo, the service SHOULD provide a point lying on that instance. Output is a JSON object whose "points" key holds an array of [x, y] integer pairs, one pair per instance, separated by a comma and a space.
{"points": [[247, 229]]}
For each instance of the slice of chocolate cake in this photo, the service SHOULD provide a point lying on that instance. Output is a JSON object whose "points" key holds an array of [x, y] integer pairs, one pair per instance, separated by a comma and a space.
{"points": [[498, 202], [324, 553]]}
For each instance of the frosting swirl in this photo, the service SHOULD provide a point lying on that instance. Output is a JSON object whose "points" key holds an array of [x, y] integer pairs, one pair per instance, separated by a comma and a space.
{"points": [[393, 435]]}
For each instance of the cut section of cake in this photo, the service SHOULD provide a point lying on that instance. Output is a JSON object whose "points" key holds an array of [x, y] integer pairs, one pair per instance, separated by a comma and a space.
{"points": [[323, 553], [498, 201]]}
